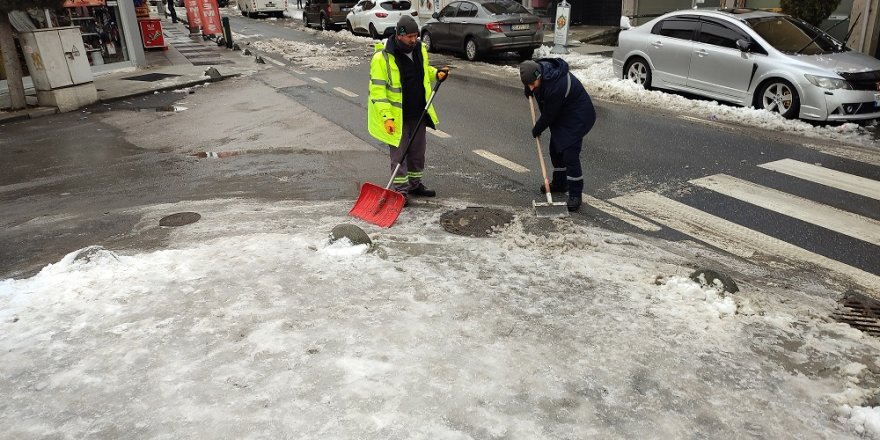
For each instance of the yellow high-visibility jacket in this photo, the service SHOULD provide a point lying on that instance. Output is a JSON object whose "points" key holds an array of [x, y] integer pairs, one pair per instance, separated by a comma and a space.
{"points": [[386, 95]]}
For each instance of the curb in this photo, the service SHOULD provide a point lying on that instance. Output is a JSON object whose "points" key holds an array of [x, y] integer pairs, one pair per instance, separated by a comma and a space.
{"points": [[168, 88]]}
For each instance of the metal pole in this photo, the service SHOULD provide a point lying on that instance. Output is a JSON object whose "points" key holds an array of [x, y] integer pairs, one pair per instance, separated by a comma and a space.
{"points": [[227, 31]]}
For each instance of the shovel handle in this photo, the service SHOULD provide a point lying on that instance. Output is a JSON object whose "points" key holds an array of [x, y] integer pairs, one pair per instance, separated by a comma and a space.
{"points": [[540, 153]]}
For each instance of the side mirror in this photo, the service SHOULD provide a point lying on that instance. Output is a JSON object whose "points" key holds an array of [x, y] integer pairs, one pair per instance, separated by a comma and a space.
{"points": [[743, 45], [624, 22], [435, 15]]}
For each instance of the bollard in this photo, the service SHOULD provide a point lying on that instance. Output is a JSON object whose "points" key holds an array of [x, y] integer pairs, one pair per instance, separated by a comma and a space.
{"points": [[228, 32], [560, 37]]}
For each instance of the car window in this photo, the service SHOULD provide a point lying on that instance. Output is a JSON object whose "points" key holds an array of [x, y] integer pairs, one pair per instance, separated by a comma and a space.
{"points": [[467, 9], [718, 34], [789, 35], [396, 6], [500, 7], [682, 28], [369, 5], [450, 10]]}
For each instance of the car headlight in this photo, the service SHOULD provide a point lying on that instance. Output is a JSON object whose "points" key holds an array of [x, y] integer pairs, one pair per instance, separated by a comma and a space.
{"points": [[827, 82]]}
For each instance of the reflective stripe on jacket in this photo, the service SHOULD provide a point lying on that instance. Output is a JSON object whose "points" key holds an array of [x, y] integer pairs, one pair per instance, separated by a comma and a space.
{"points": [[386, 96]]}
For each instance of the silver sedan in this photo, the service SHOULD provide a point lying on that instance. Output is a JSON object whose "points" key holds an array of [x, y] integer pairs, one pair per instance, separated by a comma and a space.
{"points": [[752, 58]]}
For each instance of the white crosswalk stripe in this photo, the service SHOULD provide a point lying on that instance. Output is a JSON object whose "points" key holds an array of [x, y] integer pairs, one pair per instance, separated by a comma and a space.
{"points": [[832, 178], [837, 220], [735, 238]]}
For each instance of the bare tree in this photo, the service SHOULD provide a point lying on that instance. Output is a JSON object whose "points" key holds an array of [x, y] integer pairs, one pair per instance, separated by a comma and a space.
{"points": [[811, 11], [7, 45]]}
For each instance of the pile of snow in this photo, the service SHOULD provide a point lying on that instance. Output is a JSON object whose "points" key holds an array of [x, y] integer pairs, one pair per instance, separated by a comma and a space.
{"points": [[313, 56], [251, 324]]}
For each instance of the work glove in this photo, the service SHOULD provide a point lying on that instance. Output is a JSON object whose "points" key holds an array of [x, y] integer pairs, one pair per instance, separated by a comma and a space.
{"points": [[536, 132], [389, 126], [442, 73], [527, 91]]}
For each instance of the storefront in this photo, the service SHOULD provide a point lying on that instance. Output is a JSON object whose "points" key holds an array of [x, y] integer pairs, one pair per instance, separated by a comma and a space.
{"points": [[109, 31]]}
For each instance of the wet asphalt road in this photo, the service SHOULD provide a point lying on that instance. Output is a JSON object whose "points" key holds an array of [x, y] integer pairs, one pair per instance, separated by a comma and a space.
{"points": [[629, 150]]}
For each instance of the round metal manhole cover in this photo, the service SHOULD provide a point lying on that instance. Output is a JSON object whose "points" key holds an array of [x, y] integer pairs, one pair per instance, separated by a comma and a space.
{"points": [[474, 221], [180, 219]]}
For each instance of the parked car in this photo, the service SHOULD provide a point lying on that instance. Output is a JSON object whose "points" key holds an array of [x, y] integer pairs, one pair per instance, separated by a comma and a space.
{"points": [[377, 18], [478, 27], [251, 8], [328, 14], [752, 58]]}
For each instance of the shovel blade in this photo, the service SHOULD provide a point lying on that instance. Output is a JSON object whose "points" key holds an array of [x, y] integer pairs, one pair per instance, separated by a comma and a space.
{"points": [[377, 205], [551, 210]]}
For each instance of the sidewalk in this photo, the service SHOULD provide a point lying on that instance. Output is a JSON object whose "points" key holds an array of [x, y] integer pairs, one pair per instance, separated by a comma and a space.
{"points": [[183, 64]]}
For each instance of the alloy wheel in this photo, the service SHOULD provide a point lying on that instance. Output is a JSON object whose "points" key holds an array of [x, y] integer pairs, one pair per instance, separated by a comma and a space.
{"points": [[637, 73], [778, 98], [470, 49]]}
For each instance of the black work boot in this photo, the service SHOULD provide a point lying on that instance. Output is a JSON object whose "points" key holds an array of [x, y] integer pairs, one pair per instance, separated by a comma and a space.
{"points": [[574, 202], [554, 188], [421, 190]]}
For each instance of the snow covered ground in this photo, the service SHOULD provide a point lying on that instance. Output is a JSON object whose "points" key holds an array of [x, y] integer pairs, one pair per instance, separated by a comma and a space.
{"points": [[249, 324]]}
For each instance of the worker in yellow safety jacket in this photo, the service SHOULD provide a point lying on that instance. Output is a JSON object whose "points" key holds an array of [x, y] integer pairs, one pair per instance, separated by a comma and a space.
{"points": [[400, 86]]}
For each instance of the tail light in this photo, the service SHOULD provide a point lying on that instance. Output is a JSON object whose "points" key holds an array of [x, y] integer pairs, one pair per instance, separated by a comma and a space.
{"points": [[415, 13], [494, 27], [381, 14]]}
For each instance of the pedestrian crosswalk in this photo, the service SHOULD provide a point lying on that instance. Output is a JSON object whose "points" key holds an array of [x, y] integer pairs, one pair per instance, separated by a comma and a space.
{"points": [[705, 220]]}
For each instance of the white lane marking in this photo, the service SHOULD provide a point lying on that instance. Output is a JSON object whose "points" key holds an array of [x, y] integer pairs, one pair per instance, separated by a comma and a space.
{"points": [[238, 36], [835, 179], [828, 217], [318, 80], [847, 152], [438, 133], [734, 238], [615, 211], [502, 161], [346, 92], [274, 61], [703, 121], [299, 72]]}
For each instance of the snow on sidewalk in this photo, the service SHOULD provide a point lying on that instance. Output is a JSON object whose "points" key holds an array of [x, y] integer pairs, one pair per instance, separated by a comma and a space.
{"points": [[249, 324]]}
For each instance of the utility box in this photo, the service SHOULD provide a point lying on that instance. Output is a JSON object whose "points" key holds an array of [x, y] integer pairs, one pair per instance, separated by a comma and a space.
{"points": [[59, 67]]}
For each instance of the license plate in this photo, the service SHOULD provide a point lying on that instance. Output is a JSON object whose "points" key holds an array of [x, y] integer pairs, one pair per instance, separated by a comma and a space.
{"points": [[520, 27], [877, 100], [270, 5]]}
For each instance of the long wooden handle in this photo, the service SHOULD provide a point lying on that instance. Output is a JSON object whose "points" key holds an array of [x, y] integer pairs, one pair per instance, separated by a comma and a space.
{"points": [[540, 152]]}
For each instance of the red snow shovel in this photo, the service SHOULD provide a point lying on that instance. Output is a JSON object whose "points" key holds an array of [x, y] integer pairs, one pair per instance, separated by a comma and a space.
{"points": [[381, 206]]}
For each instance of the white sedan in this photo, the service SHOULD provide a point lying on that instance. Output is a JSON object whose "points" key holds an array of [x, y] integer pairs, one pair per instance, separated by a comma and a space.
{"points": [[377, 18]]}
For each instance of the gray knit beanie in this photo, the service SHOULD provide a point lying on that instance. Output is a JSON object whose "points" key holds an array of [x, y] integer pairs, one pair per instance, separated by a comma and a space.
{"points": [[406, 25], [529, 71]]}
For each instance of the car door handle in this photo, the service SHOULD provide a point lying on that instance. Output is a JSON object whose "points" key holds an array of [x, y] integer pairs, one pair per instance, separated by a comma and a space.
{"points": [[702, 53], [657, 44]]}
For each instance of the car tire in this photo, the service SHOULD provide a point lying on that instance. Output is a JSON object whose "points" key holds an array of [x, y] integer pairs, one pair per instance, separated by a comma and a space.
{"points": [[305, 20], [374, 34], [348, 27], [426, 40], [325, 23], [527, 54], [638, 71], [470, 50], [779, 96]]}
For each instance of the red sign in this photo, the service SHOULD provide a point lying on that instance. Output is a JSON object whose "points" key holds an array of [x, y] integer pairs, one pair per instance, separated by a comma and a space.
{"points": [[151, 31], [193, 13], [78, 3], [210, 17]]}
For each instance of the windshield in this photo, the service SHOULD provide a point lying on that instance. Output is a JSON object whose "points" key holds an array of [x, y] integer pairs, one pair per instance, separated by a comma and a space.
{"points": [[789, 35], [499, 7]]}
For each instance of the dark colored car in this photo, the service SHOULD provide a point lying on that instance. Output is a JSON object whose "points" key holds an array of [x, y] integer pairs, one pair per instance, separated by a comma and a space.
{"points": [[328, 14], [477, 27]]}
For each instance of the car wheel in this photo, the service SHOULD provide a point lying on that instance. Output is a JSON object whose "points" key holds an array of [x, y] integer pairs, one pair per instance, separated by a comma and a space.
{"points": [[305, 20], [325, 23], [638, 71], [373, 33], [348, 27], [527, 54], [470, 50], [779, 96], [426, 40]]}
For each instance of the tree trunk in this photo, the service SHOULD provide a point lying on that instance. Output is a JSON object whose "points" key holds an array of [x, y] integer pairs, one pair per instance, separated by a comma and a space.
{"points": [[11, 63]]}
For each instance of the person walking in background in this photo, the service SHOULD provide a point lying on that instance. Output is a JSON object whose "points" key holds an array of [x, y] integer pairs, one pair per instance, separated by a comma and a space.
{"points": [[567, 110], [172, 11], [400, 85], [299, 4]]}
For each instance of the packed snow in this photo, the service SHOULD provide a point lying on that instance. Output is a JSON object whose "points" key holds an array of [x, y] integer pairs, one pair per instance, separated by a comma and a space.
{"points": [[251, 324]]}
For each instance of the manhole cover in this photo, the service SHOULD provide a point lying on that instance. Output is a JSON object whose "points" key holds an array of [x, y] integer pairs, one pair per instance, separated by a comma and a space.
{"points": [[474, 221], [180, 219], [150, 77], [860, 312]]}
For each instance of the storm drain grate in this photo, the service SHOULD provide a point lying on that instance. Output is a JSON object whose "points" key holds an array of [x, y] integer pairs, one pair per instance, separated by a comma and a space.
{"points": [[860, 312], [474, 221], [180, 219], [150, 77]]}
